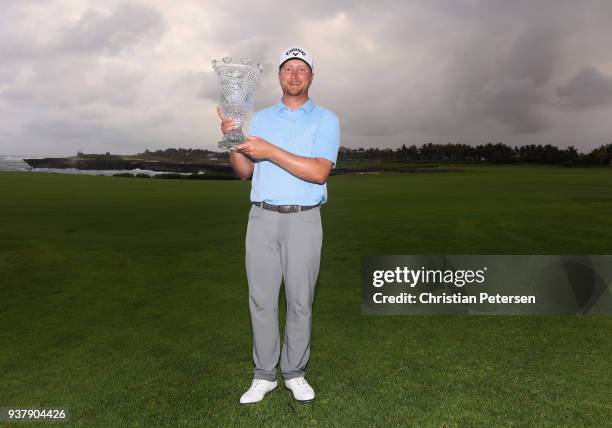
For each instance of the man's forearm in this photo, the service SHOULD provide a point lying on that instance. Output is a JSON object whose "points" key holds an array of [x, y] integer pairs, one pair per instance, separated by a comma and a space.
{"points": [[242, 165], [315, 170]]}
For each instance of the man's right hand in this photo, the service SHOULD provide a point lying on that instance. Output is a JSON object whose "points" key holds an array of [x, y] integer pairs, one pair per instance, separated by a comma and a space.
{"points": [[227, 123]]}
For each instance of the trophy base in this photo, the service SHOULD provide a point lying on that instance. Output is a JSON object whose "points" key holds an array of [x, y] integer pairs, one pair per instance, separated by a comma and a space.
{"points": [[232, 139]]}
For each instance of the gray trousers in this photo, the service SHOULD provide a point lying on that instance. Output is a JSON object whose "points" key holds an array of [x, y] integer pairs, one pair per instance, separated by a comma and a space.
{"points": [[282, 246]]}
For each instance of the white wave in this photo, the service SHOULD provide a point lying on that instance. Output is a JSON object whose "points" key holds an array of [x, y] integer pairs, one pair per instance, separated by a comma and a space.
{"points": [[74, 171], [19, 157]]}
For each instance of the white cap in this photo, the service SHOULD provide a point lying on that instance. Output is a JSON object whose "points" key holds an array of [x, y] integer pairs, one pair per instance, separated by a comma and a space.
{"points": [[296, 52]]}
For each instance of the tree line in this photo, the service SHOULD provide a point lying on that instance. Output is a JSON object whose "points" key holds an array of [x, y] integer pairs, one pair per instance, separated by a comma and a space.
{"points": [[449, 152], [490, 153]]}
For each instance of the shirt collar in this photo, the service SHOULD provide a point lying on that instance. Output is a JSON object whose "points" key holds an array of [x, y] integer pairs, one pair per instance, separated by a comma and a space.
{"points": [[307, 106]]}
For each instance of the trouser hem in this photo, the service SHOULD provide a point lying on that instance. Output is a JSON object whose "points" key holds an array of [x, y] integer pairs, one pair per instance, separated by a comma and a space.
{"points": [[269, 378]]}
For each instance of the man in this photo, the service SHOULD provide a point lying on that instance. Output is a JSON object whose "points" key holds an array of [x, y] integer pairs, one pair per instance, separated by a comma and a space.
{"points": [[291, 151]]}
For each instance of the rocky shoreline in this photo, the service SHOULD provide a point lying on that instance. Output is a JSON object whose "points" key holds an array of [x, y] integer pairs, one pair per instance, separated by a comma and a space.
{"points": [[218, 170], [130, 164]]}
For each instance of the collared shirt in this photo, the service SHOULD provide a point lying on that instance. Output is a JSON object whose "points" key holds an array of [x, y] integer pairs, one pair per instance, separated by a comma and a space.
{"points": [[309, 131]]}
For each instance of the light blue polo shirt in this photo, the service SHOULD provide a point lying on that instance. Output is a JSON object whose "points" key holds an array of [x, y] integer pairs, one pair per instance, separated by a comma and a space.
{"points": [[310, 131]]}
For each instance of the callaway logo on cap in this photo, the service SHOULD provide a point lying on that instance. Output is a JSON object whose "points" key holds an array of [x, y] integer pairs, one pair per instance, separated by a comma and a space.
{"points": [[296, 52]]}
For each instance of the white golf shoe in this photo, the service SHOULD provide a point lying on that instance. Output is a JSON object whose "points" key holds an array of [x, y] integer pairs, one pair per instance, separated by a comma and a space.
{"points": [[258, 390], [302, 391]]}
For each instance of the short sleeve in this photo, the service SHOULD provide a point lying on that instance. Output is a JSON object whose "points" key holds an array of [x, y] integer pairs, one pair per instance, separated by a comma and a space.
{"points": [[327, 138], [253, 127]]}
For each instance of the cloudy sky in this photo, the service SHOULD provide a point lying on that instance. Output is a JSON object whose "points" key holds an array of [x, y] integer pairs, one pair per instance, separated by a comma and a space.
{"points": [[122, 76]]}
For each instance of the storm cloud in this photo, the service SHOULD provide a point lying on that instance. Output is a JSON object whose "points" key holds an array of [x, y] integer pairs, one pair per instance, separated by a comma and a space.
{"points": [[588, 89], [124, 76]]}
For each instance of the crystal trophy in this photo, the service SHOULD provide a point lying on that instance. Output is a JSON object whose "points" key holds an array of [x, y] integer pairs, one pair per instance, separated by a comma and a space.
{"points": [[236, 83]]}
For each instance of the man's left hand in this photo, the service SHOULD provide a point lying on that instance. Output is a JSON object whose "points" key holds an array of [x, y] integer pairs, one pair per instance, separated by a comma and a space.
{"points": [[256, 148]]}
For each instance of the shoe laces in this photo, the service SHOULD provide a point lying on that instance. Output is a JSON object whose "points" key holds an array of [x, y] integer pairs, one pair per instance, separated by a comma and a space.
{"points": [[256, 383], [300, 381]]}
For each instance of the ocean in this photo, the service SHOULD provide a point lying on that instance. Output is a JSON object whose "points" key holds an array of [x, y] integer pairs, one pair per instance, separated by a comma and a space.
{"points": [[16, 163]]}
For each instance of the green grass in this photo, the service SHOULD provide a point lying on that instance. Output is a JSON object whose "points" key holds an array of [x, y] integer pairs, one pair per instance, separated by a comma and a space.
{"points": [[125, 301]]}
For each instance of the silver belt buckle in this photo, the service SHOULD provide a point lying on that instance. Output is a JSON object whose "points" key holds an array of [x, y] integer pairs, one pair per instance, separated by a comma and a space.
{"points": [[284, 209]]}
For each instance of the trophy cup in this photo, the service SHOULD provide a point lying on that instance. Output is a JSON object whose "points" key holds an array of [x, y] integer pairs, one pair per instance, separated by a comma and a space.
{"points": [[236, 83]]}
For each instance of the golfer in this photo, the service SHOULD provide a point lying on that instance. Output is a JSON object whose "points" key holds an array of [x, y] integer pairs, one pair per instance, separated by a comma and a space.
{"points": [[291, 149]]}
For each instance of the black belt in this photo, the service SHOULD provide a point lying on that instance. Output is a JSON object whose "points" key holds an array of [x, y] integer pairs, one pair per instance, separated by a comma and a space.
{"points": [[284, 208]]}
